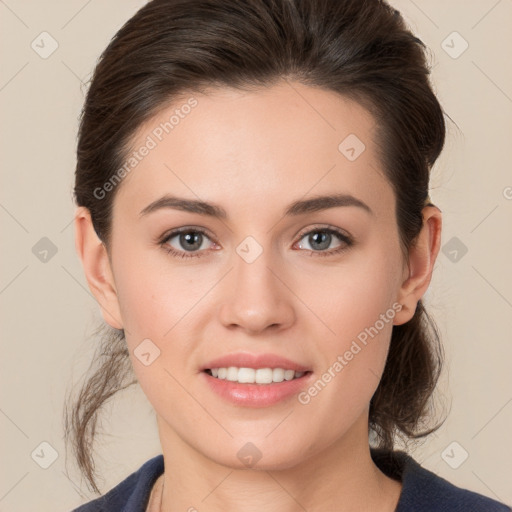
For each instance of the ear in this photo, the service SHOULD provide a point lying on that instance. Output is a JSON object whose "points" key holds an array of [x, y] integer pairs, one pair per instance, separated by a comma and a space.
{"points": [[422, 257], [93, 254]]}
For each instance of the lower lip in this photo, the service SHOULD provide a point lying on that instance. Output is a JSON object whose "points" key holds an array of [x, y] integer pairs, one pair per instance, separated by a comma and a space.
{"points": [[256, 395]]}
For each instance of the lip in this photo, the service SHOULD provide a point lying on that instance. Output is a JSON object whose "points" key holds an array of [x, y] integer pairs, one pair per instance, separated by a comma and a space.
{"points": [[256, 395], [255, 361]]}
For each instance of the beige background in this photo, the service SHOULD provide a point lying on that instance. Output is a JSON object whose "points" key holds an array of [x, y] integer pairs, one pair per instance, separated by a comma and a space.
{"points": [[48, 313]]}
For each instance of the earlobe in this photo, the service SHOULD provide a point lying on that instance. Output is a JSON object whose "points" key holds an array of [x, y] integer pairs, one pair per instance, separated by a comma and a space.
{"points": [[422, 257], [94, 257]]}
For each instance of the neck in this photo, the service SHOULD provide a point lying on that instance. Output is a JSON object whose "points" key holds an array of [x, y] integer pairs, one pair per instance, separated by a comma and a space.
{"points": [[342, 477]]}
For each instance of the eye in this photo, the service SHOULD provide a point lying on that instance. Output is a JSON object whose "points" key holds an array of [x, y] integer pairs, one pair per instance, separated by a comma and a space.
{"points": [[191, 242], [190, 239], [321, 238]]}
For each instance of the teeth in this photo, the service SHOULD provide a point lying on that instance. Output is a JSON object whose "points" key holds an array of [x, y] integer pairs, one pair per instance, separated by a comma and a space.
{"points": [[251, 376]]}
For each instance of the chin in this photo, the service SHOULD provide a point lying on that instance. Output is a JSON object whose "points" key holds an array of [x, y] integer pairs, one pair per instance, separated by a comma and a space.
{"points": [[259, 456]]}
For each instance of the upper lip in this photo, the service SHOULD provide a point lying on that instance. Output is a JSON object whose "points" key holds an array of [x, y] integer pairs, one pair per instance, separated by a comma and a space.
{"points": [[247, 360]]}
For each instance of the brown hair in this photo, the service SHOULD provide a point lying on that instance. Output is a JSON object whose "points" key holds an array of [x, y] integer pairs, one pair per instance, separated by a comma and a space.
{"points": [[361, 49]]}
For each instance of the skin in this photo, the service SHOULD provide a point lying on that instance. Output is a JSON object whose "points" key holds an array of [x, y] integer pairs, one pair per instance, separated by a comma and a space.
{"points": [[254, 153]]}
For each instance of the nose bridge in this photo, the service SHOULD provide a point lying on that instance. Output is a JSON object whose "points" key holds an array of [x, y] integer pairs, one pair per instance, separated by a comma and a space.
{"points": [[256, 298], [252, 267]]}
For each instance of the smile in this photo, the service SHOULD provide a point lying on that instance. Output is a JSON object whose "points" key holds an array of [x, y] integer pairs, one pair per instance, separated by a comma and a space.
{"points": [[254, 375]]}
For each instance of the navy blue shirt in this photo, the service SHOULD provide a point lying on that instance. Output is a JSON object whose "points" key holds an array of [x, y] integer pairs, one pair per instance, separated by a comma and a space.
{"points": [[422, 490]]}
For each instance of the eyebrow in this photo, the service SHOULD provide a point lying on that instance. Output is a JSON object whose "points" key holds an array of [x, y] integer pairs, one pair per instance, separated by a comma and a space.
{"points": [[300, 207]]}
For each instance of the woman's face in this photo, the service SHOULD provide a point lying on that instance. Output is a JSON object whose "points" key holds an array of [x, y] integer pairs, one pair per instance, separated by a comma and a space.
{"points": [[258, 280]]}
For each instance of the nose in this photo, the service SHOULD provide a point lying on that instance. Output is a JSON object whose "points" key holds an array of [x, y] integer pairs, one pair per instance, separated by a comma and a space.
{"points": [[255, 296]]}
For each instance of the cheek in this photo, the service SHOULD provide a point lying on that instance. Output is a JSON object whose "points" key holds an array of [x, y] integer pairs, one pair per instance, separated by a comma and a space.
{"points": [[153, 298], [357, 305], [166, 307], [352, 297], [353, 358]]}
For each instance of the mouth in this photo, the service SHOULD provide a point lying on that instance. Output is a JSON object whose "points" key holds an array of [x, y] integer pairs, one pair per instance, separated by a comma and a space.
{"points": [[263, 376]]}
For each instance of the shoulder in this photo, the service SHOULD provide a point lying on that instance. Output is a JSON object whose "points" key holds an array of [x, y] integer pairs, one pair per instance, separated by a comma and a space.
{"points": [[424, 491], [130, 495]]}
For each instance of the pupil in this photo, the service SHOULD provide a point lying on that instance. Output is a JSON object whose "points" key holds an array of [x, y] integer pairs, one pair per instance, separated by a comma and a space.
{"points": [[325, 236], [191, 240]]}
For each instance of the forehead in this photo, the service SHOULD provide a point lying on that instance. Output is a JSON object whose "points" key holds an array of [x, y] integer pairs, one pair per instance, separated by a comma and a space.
{"points": [[277, 142]]}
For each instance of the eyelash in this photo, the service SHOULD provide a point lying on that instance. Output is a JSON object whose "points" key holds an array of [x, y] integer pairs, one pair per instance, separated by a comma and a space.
{"points": [[347, 240]]}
